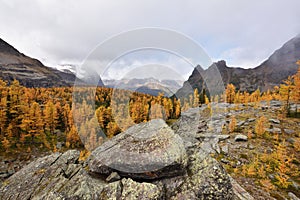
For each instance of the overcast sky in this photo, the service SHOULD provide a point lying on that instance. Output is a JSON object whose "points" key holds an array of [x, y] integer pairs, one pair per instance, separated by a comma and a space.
{"points": [[243, 33]]}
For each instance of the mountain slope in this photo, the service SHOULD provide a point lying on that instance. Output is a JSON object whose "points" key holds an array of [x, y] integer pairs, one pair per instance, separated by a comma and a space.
{"points": [[28, 71], [280, 65]]}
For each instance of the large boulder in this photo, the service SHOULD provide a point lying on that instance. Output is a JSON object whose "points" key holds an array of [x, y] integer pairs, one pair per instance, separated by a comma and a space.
{"points": [[145, 151]]}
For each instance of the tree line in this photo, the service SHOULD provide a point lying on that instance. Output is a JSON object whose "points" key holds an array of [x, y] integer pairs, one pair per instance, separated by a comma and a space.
{"points": [[44, 116]]}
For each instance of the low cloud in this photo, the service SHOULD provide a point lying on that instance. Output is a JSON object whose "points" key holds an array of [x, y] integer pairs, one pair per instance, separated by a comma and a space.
{"points": [[242, 32]]}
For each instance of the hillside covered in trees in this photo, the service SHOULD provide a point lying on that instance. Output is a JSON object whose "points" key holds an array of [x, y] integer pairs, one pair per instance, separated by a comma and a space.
{"points": [[42, 117], [32, 117]]}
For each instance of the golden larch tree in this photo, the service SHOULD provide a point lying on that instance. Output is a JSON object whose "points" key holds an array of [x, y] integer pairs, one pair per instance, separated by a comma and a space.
{"points": [[230, 93], [50, 116]]}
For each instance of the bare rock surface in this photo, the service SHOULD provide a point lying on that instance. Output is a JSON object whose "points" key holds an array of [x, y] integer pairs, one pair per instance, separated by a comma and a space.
{"points": [[56, 176], [183, 172], [146, 151]]}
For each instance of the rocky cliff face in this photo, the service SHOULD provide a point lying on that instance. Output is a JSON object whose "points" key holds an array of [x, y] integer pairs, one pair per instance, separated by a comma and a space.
{"points": [[144, 164], [31, 72], [280, 65]]}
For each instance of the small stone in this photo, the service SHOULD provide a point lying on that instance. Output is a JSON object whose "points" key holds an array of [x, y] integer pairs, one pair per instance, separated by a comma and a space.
{"points": [[269, 150], [225, 161], [242, 138], [291, 140], [225, 149], [114, 176], [59, 145], [271, 176], [215, 146], [273, 130], [275, 121], [251, 119], [277, 130], [251, 147], [241, 123], [289, 131], [293, 196], [223, 137]]}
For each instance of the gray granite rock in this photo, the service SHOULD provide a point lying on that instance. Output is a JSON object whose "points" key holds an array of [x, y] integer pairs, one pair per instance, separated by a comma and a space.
{"points": [[293, 196], [225, 149], [274, 130], [57, 176], [146, 151], [275, 121], [114, 176], [289, 131], [241, 138], [241, 123]]}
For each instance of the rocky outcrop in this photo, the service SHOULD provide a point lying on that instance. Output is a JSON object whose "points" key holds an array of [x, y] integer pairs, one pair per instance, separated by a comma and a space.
{"points": [[176, 168], [56, 176]]}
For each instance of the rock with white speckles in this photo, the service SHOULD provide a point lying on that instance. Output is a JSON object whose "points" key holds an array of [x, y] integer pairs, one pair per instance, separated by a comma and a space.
{"points": [[145, 151]]}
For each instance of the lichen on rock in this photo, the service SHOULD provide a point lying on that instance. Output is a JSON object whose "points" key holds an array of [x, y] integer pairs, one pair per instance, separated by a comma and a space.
{"points": [[164, 168]]}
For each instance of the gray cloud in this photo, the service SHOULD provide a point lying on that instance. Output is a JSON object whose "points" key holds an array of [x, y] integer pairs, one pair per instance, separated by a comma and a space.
{"points": [[60, 31]]}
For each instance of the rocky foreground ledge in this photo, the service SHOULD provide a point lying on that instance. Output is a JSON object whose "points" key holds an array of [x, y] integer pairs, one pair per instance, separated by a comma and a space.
{"points": [[148, 161]]}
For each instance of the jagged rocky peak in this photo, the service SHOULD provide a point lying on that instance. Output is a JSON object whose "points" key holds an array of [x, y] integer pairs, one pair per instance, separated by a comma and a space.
{"points": [[221, 63], [280, 65]]}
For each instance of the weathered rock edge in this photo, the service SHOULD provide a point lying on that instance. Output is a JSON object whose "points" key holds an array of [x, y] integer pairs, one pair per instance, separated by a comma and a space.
{"points": [[145, 151]]}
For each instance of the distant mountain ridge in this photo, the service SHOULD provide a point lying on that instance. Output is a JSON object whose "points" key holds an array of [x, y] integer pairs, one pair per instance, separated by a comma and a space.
{"points": [[150, 86], [280, 65], [31, 72]]}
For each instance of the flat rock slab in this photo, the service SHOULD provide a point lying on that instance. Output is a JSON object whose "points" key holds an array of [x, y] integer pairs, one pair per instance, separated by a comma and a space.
{"points": [[57, 176], [145, 151]]}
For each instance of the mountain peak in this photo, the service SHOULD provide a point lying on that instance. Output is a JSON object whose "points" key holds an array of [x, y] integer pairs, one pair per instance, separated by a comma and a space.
{"points": [[7, 48], [221, 62], [28, 71], [280, 65]]}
